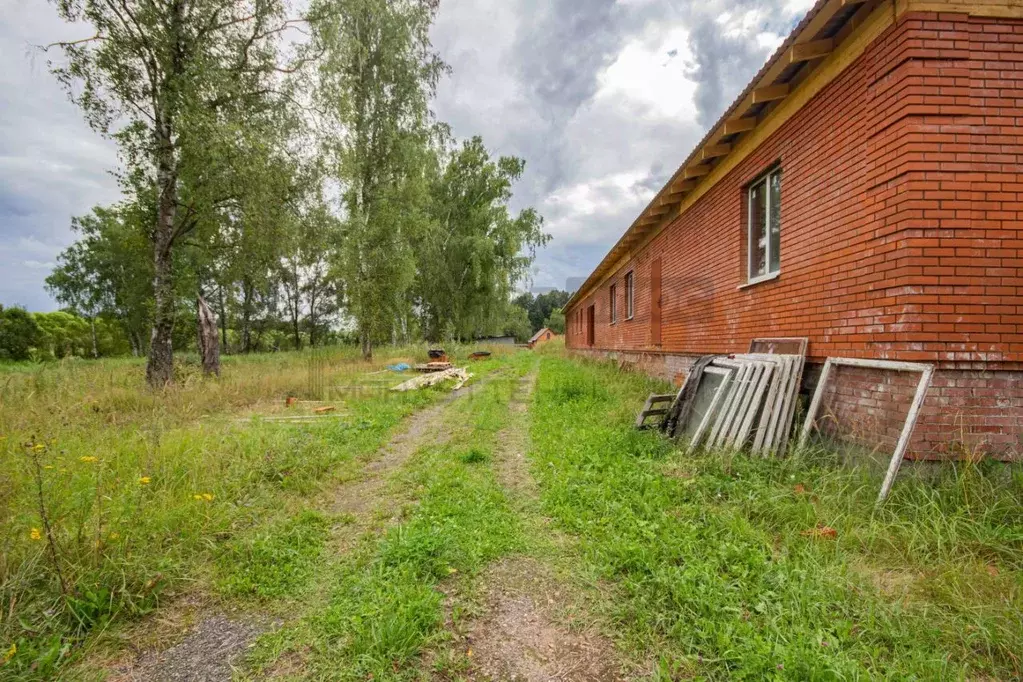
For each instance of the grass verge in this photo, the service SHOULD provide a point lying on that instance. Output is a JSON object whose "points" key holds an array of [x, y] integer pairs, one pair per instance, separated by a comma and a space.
{"points": [[719, 566]]}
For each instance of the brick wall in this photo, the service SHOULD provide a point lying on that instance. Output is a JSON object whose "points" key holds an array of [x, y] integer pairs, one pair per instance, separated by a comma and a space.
{"points": [[901, 237]]}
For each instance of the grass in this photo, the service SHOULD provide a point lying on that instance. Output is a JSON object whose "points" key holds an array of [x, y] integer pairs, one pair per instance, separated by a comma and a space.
{"points": [[710, 566], [115, 499], [713, 565], [385, 605], [275, 561]]}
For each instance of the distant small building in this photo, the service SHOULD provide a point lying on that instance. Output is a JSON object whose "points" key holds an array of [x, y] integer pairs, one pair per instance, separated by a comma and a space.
{"points": [[541, 337]]}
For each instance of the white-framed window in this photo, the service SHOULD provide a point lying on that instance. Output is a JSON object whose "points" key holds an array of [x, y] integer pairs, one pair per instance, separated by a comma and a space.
{"points": [[764, 226], [614, 302], [628, 295]]}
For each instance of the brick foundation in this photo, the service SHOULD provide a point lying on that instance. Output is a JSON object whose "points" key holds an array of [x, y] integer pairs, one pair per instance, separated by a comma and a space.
{"points": [[966, 412]]}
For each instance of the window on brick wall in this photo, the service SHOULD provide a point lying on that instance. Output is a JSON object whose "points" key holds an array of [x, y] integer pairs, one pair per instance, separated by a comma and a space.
{"points": [[764, 226], [628, 295], [614, 303]]}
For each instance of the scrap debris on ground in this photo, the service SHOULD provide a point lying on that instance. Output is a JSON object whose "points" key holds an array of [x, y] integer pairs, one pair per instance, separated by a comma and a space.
{"points": [[459, 374]]}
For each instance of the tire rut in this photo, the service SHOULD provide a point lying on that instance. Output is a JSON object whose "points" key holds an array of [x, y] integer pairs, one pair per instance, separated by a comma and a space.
{"points": [[531, 629]]}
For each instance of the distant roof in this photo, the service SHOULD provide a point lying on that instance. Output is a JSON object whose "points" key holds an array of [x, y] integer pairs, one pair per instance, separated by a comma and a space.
{"points": [[537, 335]]}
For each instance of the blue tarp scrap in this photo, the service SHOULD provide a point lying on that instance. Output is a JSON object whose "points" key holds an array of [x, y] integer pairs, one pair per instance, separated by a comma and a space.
{"points": [[400, 367]]}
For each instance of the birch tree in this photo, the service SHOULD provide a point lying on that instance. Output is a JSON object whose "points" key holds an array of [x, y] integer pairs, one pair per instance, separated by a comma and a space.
{"points": [[476, 251], [377, 74], [172, 81]]}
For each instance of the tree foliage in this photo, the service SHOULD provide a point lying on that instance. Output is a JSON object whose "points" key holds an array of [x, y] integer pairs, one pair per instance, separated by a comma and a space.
{"points": [[304, 190], [376, 77], [475, 252], [542, 307], [19, 333]]}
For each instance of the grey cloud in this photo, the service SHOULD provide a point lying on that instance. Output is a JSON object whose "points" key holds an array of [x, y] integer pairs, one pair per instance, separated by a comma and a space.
{"points": [[723, 64], [52, 166]]}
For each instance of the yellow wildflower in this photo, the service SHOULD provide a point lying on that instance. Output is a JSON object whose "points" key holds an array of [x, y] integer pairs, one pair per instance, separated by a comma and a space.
{"points": [[39, 446], [10, 652], [35, 534], [87, 458], [145, 480], [115, 535], [207, 497]]}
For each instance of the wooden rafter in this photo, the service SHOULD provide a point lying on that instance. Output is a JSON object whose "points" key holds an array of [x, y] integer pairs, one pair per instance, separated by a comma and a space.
{"points": [[815, 49], [739, 125], [696, 171], [770, 93], [713, 151]]}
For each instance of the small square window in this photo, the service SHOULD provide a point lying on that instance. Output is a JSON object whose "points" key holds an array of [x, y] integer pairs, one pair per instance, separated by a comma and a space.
{"points": [[764, 226], [614, 303], [628, 296]]}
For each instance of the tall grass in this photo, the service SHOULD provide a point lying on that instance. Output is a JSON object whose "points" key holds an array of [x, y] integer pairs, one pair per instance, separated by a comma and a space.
{"points": [[113, 498], [725, 566]]}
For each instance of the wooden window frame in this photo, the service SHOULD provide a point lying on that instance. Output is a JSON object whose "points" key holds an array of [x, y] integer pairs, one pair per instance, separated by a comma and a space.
{"points": [[630, 295], [613, 298], [926, 372], [762, 179]]}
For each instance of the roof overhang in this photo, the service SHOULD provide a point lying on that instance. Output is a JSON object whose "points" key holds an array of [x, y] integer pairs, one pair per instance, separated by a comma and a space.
{"points": [[823, 32]]}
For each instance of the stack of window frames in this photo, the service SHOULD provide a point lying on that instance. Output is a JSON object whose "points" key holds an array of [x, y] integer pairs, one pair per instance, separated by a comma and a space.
{"points": [[745, 400]]}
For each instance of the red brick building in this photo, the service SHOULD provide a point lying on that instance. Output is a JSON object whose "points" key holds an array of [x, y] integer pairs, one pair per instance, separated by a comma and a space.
{"points": [[864, 191]]}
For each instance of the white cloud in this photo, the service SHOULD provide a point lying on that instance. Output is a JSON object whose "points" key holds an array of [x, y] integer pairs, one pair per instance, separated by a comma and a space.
{"points": [[652, 77]]}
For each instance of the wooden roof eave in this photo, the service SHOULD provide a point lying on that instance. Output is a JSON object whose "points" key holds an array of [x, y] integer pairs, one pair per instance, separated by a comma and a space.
{"points": [[804, 46]]}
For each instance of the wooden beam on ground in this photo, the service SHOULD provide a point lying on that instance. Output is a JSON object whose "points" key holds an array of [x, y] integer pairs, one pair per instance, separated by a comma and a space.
{"points": [[713, 151], [815, 49], [696, 171], [739, 125], [770, 93]]}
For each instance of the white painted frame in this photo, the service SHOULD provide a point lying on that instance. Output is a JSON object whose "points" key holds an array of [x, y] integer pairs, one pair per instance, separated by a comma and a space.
{"points": [[726, 375], [768, 274], [926, 373]]}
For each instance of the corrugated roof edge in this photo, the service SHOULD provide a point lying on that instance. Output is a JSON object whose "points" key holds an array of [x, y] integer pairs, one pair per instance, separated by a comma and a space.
{"points": [[782, 49]]}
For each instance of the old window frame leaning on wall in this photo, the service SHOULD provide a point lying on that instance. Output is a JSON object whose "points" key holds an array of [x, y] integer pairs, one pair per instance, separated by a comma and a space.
{"points": [[763, 192], [926, 373], [613, 294], [630, 288]]}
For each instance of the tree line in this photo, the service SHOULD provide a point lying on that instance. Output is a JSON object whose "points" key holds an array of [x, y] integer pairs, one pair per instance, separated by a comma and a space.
{"points": [[288, 170]]}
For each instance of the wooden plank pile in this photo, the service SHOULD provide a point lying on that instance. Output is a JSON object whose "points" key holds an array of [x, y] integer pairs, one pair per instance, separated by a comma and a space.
{"points": [[459, 374]]}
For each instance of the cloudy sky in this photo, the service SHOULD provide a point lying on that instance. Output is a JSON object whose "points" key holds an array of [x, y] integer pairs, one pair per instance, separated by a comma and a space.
{"points": [[602, 98]]}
